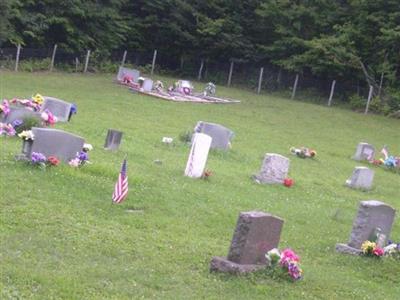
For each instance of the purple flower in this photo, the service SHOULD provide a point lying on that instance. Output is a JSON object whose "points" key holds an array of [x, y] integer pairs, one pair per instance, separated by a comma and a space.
{"points": [[83, 156], [17, 123], [37, 158]]}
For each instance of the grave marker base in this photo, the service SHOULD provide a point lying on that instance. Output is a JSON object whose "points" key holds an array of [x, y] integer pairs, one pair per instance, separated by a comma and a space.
{"points": [[346, 249], [222, 264]]}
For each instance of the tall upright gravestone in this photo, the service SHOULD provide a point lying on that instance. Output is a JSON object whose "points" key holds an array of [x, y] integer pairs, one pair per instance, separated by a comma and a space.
{"points": [[274, 169], [198, 155], [374, 220], [113, 139], [256, 233], [53, 142], [221, 136], [59, 108]]}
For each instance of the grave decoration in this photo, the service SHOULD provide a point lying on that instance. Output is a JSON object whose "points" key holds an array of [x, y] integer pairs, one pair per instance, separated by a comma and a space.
{"points": [[129, 77], [372, 249], [388, 161], [7, 129], [167, 140], [40, 160], [81, 157], [256, 233], [373, 223], [303, 152], [287, 261], [392, 250]]}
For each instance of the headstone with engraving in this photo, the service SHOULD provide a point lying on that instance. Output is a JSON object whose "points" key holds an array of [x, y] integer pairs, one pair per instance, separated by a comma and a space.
{"points": [[361, 178], [256, 233], [127, 73], [59, 108], [221, 136], [113, 139], [53, 142], [198, 155], [274, 169], [373, 216], [19, 113], [364, 151]]}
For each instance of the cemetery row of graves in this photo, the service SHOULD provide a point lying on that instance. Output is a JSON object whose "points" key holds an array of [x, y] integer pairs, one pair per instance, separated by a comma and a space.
{"points": [[255, 242]]}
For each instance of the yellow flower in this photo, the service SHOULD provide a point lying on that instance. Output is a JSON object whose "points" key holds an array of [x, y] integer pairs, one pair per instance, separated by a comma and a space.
{"points": [[38, 99], [367, 247]]}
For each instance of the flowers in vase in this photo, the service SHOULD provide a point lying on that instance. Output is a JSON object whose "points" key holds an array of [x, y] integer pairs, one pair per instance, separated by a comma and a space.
{"points": [[288, 260], [27, 135], [369, 248]]}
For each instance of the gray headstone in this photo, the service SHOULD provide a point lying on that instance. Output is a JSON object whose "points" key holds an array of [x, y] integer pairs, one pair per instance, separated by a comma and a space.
{"points": [[372, 216], [147, 85], [364, 151], [113, 139], [221, 136], [274, 169], [256, 233], [361, 178], [54, 142], [122, 72], [57, 107], [19, 113]]}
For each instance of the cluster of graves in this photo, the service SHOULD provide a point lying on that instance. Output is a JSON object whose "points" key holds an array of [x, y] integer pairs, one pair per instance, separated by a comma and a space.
{"points": [[181, 91]]}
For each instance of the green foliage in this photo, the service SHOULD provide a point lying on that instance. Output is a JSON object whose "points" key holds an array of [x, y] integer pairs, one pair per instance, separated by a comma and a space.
{"points": [[28, 123], [34, 65], [357, 102]]}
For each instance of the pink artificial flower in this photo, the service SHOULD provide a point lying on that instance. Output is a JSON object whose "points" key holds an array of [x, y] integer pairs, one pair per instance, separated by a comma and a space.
{"points": [[74, 162], [287, 256], [378, 251]]}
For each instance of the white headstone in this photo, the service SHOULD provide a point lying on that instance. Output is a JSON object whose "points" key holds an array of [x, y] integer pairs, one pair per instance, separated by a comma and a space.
{"points": [[274, 169], [362, 178], [364, 151], [198, 155], [147, 85]]}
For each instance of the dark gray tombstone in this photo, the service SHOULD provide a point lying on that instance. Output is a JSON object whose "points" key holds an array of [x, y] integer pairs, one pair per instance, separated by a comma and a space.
{"points": [[19, 113], [364, 151], [256, 233], [113, 139], [373, 217], [274, 169], [221, 136], [53, 142], [122, 72], [361, 178], [59, 108]]}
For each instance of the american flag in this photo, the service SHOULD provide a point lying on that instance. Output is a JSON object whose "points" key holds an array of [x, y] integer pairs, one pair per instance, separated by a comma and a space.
{"points": [[121, 186], [385, 152]]}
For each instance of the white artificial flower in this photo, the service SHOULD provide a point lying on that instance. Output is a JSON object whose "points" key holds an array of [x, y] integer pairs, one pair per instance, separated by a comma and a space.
{"points": [[88, 147]]}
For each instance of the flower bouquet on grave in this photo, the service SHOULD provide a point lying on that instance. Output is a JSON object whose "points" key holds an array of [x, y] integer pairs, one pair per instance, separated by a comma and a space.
{"points": [[207, 174], [53, 161], [29, 104], [303, 152], [27, 135], [48, 118], [370, 249], [5, 108], [286, 263], [392, 250], [82, 157], [7, 129], [38, 159]]}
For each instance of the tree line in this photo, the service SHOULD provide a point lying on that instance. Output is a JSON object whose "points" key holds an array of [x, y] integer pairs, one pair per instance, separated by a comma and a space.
{"points": [[330, 39]]}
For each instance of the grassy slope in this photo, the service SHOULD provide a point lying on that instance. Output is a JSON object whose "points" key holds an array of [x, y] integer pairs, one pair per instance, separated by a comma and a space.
{"points": [[61, 237]]}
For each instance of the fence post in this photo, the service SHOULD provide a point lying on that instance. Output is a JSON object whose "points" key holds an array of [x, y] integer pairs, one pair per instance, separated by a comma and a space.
{"points": [[371, 89], [332, 92], [87, 61], [123, 58], [230, 73], [53, 58], [295, 86], [17, 58], [380, 85], [200, 70], [153, 64], [260, 78]]}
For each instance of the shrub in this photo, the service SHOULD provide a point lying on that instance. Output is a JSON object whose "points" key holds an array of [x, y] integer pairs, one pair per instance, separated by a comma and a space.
{"points": [[356, 102], [33, 65]]}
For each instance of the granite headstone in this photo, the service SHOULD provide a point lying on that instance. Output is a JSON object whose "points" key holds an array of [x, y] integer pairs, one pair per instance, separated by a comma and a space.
{"points": [[361, 178], [256, 233], [364, 151], [113, 139], [19, 113], [274, 169], [59, 108], [221, 136]]}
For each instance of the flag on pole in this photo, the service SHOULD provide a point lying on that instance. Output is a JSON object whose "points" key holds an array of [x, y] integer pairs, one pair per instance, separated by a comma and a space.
{"points": [[121, 186], [385, 152]]}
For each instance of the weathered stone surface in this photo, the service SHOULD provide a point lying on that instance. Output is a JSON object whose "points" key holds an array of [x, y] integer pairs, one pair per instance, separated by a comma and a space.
{"points": [[362, 178], [54, 142], [221, 136], [346, 249], [59, 108], [256, 233], [364, 151], [19, 113], [113, 139], [274, 169], [198, 155], [372, 216], [222, 264], [122, 72]]}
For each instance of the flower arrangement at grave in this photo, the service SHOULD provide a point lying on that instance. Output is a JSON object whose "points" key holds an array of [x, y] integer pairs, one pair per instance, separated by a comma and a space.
{"points": [[370, 249], [7, 129], [388, 161], [5, 107], [286, 262], [159, 86], [210, 89], [288, 182], [81, 157], [392, 250], [207, 174], [27, 103], [53, 161], [38, 159], [303, 152], [48, 118], [27, 135]]}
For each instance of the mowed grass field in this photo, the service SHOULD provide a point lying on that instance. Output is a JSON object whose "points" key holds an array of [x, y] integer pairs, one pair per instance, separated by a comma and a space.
{"points": [[61, 238]]}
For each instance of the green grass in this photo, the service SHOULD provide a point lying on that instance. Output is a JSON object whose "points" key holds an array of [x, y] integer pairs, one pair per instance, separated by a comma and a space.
{"points": [[60, 237]]}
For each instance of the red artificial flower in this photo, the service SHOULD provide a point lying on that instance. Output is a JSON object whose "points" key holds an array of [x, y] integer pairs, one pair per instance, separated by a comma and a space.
{"points": [[54, 161], [288, 182], [206, 174], [378, 251], [377, 162]]}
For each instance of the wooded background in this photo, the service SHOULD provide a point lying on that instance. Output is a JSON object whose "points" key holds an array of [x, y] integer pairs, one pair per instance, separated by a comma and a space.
{"points": [[356, 42]]}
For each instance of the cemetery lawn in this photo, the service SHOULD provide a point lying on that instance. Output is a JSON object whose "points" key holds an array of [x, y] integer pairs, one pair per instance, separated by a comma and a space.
{"points": [[61, 238]]}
